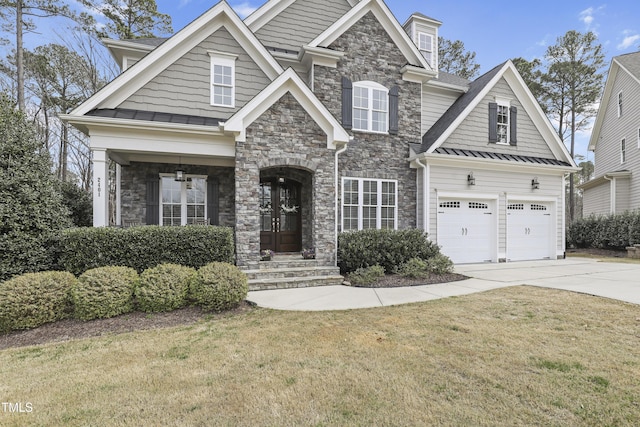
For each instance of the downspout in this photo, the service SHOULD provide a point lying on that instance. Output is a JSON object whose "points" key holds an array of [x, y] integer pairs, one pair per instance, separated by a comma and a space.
{"points": [[612, 195], [425, 194], [336, 186]]}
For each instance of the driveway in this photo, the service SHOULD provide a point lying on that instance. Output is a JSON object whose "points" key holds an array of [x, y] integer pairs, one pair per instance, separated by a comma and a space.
{"points": [[619, 281]]}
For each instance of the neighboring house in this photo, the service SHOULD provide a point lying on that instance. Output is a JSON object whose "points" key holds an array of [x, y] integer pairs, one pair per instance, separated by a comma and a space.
{"points": [[615, 142], [312, 117]]}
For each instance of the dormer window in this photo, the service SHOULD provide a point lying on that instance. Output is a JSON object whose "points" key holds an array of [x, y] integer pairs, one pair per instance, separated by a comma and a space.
{"points": [[222, 79], [370, 107], [425, 46]]}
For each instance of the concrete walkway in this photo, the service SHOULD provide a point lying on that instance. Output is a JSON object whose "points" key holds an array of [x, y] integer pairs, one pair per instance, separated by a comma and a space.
{"points": [[619, 281]]}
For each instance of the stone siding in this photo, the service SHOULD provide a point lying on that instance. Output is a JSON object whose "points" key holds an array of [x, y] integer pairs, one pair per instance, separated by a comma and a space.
{"points": [[133, 192], [371, 54], [286, 137]]}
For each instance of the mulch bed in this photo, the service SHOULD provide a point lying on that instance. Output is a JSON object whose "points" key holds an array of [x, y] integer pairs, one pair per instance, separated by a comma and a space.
{"points": [[397, 281], [610, 253], [70, 329]]}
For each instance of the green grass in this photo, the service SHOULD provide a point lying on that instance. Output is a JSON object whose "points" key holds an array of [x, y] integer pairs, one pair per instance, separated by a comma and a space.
{"points": [[516, 356]]}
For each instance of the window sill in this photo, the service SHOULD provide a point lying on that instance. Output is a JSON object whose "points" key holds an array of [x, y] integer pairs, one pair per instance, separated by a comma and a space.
{"points": [[370, 131]]}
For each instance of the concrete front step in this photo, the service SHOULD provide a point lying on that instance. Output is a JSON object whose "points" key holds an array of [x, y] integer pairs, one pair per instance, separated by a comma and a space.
{"points": [[294, 282], [283, 272]]}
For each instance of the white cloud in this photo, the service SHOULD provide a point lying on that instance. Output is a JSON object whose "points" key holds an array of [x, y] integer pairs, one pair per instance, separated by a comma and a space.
{"points": [[629, 39], [588, 17], [244, 9]]}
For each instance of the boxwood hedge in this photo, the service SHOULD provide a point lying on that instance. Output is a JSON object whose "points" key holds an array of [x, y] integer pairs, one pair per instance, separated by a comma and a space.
{"points": [[387, 248], [144, 247], [33, 299], [219, 286], [104, 292], [164, 287]]}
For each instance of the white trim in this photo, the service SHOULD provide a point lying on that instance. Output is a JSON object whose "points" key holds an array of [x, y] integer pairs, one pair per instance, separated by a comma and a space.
{"points": [[183, 197], [225, 61], [419, 34], [623, 150], [370, 87], [504, 103]]}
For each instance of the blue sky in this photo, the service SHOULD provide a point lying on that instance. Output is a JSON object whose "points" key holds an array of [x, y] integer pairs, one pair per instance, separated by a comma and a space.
{"points": [[495, 30]]}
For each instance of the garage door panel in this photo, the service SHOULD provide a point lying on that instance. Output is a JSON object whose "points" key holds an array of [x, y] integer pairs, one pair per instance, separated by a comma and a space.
{"points": [[465, 230], [528, 231]]}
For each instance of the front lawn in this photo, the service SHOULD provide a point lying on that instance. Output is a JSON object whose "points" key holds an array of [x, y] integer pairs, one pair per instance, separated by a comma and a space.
{"points": [[514, 356]]}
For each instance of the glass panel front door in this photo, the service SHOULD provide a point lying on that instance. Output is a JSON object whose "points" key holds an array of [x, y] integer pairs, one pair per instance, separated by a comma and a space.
{"points": [[280, 216]]}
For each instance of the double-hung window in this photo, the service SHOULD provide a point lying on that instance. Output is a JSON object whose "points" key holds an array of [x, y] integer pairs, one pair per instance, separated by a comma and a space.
{"points": [[503, 123], [370, 107], [619, 104], [183, 202], [425, 46], [223, 71], [369, 203]]}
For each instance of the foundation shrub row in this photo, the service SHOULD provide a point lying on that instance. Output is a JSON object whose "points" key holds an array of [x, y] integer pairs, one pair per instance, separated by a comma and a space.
{"points": [[33, 299], [616, 231]]}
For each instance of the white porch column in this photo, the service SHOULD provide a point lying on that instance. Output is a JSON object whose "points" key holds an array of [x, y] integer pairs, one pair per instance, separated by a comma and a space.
{"points": [[118, 199], [100, 188]]}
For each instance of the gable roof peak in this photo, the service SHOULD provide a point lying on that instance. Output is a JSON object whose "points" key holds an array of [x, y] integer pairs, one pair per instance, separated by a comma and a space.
{"points": [[219, 16]]}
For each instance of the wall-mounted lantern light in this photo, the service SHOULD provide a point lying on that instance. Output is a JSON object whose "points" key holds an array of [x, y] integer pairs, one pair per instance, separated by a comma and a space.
{"points": [[535, 184], [470, 179]]}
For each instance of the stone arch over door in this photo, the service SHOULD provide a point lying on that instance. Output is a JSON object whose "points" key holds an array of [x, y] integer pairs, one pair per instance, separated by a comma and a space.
{"points": [[286, 208]]}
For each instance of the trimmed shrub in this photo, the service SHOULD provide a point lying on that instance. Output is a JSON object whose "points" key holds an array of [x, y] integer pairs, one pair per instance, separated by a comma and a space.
{"points": [[164, 287], [104, 292], [34, 299], [366, 275], [219, 286], [440, 264], [605, 232], [145, 247], [387, 248], [415, 268]]}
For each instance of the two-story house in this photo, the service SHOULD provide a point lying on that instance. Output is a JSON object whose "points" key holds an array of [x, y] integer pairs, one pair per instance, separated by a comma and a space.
{"points": [[310, 118], [615, 141]]}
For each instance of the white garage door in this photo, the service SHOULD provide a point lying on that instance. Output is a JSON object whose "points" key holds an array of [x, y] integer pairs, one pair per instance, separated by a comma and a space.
{"points": [[528, 231], [466, 230]]}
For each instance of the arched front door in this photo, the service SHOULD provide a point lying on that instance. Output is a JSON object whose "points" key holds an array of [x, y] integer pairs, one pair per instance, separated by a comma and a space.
{"points": [[280, 215]]}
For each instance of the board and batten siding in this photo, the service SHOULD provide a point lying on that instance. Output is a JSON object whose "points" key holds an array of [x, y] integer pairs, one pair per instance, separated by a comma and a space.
{"points": [[473, 132], [501, 184], [301, 22], [597, 200], [435, 102], [185, 86]]}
